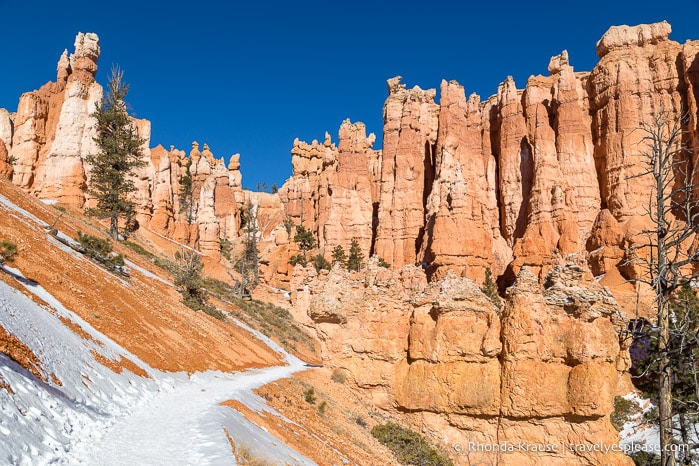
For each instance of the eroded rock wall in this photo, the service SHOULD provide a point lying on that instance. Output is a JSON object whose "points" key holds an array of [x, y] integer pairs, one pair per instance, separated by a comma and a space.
{"points": [[466, 185], [455, 365]]}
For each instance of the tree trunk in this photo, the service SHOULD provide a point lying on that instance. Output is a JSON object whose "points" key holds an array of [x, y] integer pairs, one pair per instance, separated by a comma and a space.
{"points": [[667, 458], [114, 226]]}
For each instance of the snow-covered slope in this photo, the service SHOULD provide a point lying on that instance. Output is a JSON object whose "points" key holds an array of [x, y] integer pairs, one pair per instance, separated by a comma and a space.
{"points": [[85, 413], [70, 394]]}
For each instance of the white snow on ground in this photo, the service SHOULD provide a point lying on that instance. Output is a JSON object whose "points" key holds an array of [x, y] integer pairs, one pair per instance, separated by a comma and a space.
{"points": [[94, 416], [97, 417], [41, 419], [184, 426], [639, 435], [145, 272]]}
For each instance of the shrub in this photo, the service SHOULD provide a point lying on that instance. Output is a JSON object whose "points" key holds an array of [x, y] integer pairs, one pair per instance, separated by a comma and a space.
{"points": [[320, 263], [322, 407], [644, 458], [383, 263], [94, 246], [189, 282], [623, 410], [361, 422], [245, 456], [8, 251], [338, 376], [100, 250], [490, 288], [298, 259], [310, 395], [409, 447]]}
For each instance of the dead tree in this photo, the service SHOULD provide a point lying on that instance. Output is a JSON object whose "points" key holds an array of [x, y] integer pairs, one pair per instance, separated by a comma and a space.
{"points": [[669, 252]]}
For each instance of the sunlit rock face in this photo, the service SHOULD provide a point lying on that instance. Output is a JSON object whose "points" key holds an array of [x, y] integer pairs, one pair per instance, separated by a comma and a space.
{"points": [[462, 185], [463, 370], [411, 120]]}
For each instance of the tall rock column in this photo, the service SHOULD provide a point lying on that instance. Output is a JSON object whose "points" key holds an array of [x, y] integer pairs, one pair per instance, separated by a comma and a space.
{"points": [[345, 204], [636, 78], [462, 208], [560, 364], [564, 197], [407, 171], [516, 167], [62, 175]]}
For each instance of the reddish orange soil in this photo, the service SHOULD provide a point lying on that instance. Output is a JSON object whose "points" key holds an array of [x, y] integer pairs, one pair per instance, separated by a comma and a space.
{"points": [[142, 314], [21, 354], [328, 435]]}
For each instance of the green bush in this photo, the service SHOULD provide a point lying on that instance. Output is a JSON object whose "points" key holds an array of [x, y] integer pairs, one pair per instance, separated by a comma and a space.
{"points": [[138, 249], [8, 251], [338, 376], [409, 447], [623, 410], [383, 263], [322, 407], [644, 458], [490, 288], [100, 250], [320, 263], [298, 259], [226, 248], [310, 395]]}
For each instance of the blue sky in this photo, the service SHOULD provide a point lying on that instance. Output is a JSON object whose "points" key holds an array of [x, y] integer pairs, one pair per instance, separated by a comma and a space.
{"points": [[249, 78]]}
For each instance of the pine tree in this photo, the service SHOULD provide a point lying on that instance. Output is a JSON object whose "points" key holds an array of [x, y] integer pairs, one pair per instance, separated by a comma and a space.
{"points": [[248, 265], [354, 262], [320, 263], [186, 195], [119, 154], [338, 255], [304, 238], [188, 279], [490, 288]]}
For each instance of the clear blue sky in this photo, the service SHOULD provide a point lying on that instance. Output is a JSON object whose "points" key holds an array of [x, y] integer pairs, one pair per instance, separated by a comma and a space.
{"points": [[249, 78]]}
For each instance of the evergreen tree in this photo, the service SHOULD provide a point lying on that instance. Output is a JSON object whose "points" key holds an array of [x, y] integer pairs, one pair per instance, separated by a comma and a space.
{"points": [[320, 262], [186, 196], [354, 262], [120, 152], [248, 265], [188, 279], [304, 238], [490, 288], [338, 255]]}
